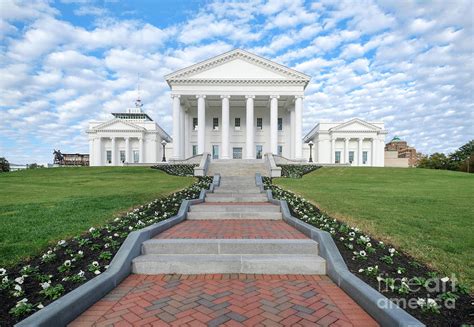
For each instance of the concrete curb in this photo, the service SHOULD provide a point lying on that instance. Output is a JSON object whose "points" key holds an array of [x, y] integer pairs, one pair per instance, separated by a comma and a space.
{"points": [[68, 307], [367, 297]]}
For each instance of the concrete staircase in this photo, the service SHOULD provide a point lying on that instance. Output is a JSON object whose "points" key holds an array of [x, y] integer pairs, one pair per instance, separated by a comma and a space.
{"points": [[243, 167], [227, 256], [235, 198]]}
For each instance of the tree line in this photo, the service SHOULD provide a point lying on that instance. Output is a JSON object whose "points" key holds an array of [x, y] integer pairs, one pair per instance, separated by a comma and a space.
{"points": [[460, 160]]}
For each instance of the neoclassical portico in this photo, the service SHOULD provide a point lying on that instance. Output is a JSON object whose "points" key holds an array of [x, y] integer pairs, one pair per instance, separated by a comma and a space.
{"points": [[237, 106]]}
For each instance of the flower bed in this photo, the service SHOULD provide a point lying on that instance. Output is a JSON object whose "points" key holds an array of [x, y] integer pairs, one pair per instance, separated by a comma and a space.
{"points": [[31, 285], [433, 299], [177, 169], [296, 171]]}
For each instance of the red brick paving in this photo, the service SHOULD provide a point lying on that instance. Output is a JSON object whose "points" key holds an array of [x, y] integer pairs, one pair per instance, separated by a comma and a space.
{"points": [[225, 300], [233, 228]]}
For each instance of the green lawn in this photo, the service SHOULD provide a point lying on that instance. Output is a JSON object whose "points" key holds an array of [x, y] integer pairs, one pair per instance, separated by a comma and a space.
{"points": [[427, 213], [45, 205]]}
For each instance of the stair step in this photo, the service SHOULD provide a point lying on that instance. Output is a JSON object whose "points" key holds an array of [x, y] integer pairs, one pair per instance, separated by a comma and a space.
{"points": [[151, 264], [233, 215], [230, 246], [235, 208], [234, 197]]}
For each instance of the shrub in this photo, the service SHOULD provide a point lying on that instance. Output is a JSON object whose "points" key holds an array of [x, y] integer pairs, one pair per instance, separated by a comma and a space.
{"points": [[4, 165], [177, 169], [296, 171]]}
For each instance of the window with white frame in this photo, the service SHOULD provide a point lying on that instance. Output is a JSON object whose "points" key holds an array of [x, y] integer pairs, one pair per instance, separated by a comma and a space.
{"points": [[365, 157], [280, 124], [351, 156], [237, 123], [136, 156], [260, 123], [215, 123], [195, 123], [108, 155], [195, 150], [337, 157], [122, 156]]}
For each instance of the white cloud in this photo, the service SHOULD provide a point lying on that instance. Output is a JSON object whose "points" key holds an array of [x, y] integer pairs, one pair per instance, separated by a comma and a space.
{"points": [[402, 62]]}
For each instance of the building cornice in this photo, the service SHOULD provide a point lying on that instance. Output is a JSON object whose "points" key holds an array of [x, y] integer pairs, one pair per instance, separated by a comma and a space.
{"points": [[231, 55], [236, 82]]}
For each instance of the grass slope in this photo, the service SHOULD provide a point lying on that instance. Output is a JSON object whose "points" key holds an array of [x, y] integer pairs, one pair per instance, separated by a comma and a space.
{"points": [[427, 213], [44, 205]]}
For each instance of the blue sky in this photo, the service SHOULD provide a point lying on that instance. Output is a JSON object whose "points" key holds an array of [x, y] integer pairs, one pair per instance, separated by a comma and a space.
{"points": [[407, 63]]}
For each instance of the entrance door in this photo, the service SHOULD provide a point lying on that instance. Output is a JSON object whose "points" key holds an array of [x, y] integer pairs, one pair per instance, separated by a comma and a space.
{"points": [[215, 152], [236, 153], [259, 151]]}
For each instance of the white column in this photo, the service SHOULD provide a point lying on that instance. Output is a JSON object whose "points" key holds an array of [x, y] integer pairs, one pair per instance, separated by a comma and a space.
{"points": [[298, 127], [176, 126], [274, 124], [99, 151], [186, 134], [333, 149], [225, 127], [201, 123], [249, 128], [91, 150], [127, 149], [373, 152], [359, 150], [114, 155], [346, 150], [181, 132], [292, 133], [141, 151]]}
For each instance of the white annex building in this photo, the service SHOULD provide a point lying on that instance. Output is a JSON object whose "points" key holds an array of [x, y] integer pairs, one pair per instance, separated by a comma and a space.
{"points": [[235, 106]]}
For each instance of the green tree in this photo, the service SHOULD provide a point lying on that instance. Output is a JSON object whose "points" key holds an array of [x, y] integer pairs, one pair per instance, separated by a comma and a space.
{"points": [[462, 157], [435, 161], [4, 165]]}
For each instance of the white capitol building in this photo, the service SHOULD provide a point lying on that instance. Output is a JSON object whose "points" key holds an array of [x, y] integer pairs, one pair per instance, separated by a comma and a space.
{"points": [[235, 106]]}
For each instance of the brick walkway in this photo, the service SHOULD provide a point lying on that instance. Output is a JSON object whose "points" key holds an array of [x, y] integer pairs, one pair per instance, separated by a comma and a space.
{"points": [[233, 228], [225, 300]]}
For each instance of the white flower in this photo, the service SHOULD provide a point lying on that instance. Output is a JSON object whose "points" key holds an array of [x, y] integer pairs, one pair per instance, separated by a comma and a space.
{"points": [[106, 245], [117, 219], [80, 274], [361, 270], [5, 280], [40, 306], [3, 271], [399, 272], [362, 253], [130, 227], [391, 250], [18, 288], [116, 235], [341, 238], [97, 272], [67, 263], [421, 302], [21, 302], [369, 245], [432, 303], [379, 279], [45, 285], [92, 229], [352, 234], [19, 280], [62, 242], [80, 252], [445, 279], [95, 264], [370, 268]]}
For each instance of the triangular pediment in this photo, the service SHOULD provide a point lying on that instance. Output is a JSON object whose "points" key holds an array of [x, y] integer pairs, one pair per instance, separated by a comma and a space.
{"points": [[118, 124], [237, 65], [355, 125]]}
